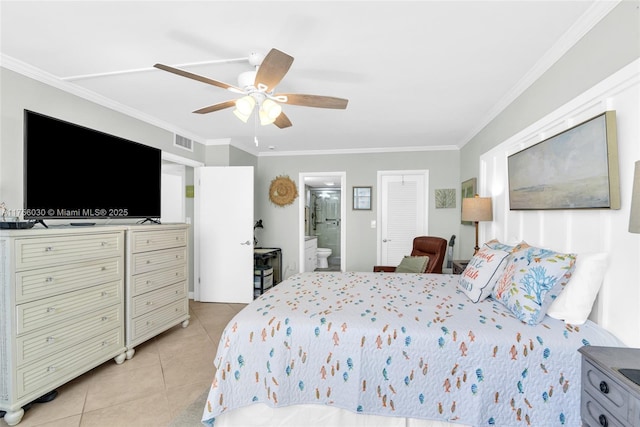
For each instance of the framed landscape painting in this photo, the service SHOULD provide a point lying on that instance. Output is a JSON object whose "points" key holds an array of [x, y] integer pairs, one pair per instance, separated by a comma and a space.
{"points": [[576, 169]]}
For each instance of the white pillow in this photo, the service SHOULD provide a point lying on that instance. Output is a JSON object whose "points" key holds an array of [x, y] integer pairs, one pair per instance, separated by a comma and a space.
{"points": [[575, 302], [480, 276]]}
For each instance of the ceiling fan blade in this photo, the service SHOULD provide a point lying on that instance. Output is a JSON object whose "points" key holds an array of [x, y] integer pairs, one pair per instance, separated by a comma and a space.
{"points": [[282, 121], [314, 100], [274, 67], [198, 77], [216, 107]]}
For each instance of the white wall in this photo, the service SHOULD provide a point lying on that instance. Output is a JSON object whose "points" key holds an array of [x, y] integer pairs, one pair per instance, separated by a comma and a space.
{"points": [[581, 230]]}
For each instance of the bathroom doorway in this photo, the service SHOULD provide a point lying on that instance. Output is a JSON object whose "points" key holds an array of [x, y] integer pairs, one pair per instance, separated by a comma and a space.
{"points": [[322, 216]]}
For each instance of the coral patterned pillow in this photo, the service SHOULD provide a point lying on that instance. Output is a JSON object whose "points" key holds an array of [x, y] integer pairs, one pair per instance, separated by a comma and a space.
{"points": [[497, 244], [479, 277], [532, 279]]}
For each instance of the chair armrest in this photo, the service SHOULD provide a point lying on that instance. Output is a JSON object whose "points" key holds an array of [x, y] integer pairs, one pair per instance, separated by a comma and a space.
{"points": [[383, 268]]}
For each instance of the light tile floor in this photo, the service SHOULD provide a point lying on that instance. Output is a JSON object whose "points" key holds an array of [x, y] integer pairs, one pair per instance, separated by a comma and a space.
{"points": [[164, 376]]}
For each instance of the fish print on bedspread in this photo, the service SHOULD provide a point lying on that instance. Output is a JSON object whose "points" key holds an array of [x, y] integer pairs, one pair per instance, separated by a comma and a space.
{"points": [[405, 345]]}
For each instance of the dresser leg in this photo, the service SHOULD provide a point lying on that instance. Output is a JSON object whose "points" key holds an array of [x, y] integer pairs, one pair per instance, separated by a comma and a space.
{"points": [[13, 417], [130, 353], [119, 359], [185, 323]]}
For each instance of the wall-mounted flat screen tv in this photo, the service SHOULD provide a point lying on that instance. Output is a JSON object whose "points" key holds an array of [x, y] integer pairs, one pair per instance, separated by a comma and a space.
{"points": [[73, 172]]}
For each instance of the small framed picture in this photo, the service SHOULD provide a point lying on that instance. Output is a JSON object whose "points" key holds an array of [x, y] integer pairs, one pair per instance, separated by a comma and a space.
{"points": [[362, 198], [469, 188]]}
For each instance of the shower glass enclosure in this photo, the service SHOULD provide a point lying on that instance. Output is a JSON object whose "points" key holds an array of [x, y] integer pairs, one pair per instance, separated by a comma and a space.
{"points": [[324, 221]]}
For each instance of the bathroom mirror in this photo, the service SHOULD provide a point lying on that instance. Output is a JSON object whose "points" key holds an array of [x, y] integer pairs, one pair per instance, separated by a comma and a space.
{"points": [[362, 198]]}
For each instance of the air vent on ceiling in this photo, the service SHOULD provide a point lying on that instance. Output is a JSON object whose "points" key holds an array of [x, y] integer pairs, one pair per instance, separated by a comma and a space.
{"points": [[183, 142]]}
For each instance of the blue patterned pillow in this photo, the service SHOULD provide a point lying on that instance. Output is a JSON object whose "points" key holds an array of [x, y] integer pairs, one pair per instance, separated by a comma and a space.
{"points": [[532, 279]]}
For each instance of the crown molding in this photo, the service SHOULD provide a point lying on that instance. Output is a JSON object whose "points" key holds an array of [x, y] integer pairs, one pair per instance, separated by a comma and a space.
{"points": [[360, 151], [593, 15], [49, 79]]}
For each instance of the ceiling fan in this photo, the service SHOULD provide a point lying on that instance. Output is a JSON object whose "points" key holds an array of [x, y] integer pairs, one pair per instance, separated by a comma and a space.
{"points": [[257, 88]]}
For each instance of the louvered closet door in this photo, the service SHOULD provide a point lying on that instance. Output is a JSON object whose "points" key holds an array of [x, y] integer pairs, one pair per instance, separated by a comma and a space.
{"points": [[402, 214]]}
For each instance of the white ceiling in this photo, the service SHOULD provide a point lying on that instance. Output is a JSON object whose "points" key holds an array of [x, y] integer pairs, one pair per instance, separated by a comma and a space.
{"points": [[417, 73]]}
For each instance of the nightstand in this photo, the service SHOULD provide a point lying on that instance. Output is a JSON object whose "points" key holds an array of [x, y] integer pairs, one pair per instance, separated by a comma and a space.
{"points": [[609, 398], [459, 266]]}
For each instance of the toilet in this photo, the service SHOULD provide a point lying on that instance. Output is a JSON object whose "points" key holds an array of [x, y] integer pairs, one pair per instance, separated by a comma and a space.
{"points": [[323, 254]]}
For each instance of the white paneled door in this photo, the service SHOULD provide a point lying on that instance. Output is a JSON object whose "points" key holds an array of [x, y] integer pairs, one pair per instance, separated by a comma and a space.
{"points": [[172, 207], [402, 213], [225, 229]]}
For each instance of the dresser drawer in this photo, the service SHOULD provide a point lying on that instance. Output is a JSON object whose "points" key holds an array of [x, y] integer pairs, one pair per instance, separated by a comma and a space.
{"points": [[150, 261], [152, 280], [155, 322], [41, 344], [45, 251], [605, 389], [42, 283], [42, 313], [594, 415], [150, 301], [66, 365], [143, 241]]}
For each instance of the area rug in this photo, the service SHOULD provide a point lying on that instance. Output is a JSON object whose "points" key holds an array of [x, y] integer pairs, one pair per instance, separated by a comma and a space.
{"points": [[192, 414]]}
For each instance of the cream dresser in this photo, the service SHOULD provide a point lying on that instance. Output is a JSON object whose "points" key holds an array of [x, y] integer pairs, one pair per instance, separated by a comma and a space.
{"points": [[61, 308], [157, 285]]}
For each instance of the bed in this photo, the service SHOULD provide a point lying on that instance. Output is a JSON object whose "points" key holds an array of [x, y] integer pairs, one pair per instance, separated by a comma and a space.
{"points": [[387, 349]]}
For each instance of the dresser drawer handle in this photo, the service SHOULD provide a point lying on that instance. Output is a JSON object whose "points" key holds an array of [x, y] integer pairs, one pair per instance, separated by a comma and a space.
{"points": [[104, 318], [103, 244], [149, 302], [604, 387], [104, 293], [51, 369], [603, 420], [50, 340], [103, 268], [48, 249], [49, 279], [148, 261], [51, 309]]}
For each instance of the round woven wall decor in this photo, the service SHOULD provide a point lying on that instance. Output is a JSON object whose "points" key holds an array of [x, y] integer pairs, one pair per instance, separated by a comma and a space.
{"points": [[282, 191]]}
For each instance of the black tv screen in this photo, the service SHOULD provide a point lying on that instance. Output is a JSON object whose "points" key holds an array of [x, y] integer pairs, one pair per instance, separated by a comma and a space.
{"points": [[73, 172]]}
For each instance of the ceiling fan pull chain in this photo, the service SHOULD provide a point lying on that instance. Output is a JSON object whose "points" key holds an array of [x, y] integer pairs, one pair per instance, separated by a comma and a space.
{"points": [[255, 128]]}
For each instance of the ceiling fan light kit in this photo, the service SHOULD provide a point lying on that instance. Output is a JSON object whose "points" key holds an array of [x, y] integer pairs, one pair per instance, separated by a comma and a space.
{"points": [[244, 107], [269, 111], [258, 89]]}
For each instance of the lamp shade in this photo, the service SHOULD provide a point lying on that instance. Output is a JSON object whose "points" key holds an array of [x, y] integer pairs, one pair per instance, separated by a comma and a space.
{"points": [[245, 105], [269, 111], [634, 215], [477, 209]]}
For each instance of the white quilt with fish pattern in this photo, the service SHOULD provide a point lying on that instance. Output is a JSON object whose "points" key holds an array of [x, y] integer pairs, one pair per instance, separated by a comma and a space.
{"points": [[400, 345]]}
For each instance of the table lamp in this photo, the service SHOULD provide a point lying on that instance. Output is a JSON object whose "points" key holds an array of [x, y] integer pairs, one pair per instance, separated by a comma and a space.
{"points": [[476, 209]]}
